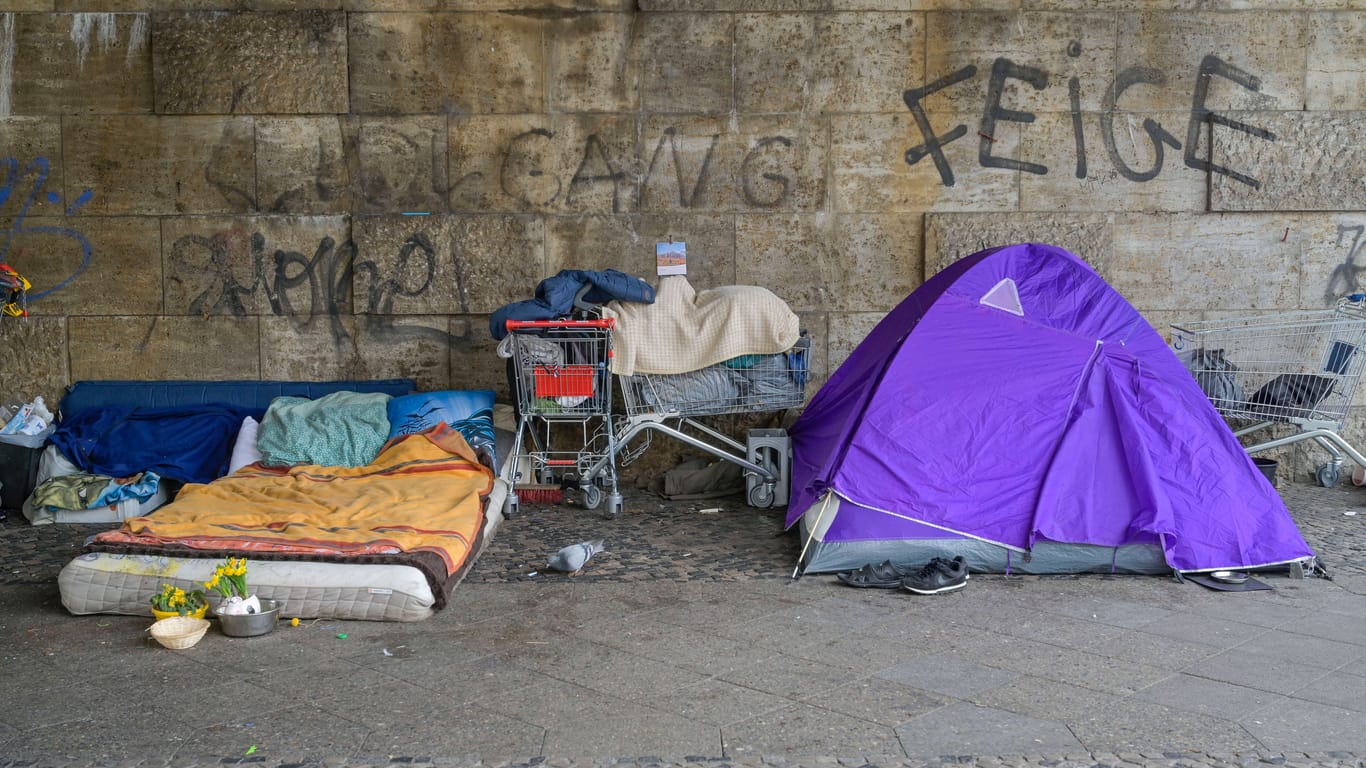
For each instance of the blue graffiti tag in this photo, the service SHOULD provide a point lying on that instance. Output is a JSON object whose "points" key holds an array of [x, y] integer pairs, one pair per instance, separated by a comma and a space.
{"points": [[39, 168]]}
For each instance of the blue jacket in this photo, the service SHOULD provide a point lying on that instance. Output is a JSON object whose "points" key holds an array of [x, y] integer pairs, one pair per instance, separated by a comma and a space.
{"points": [[555, 296]]}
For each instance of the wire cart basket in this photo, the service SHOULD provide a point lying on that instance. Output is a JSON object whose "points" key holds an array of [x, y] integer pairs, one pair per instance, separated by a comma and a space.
{"points": [[563, 386], [1298, 368], [669, 403]]}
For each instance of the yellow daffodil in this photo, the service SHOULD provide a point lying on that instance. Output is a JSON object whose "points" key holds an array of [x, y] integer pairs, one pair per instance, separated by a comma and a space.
{"points": [[173, 599], [230, 578]]}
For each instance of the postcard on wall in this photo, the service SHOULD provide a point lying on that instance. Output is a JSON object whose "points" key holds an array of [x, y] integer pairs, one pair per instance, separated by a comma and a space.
{"points": [[671, 258]]}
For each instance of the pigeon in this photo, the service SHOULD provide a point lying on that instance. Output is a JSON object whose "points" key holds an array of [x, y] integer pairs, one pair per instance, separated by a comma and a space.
{"points": [[572, 558]]}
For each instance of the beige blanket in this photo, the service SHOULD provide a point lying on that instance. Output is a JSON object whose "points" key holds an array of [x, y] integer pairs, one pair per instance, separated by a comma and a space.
{"points": [[685, 330]]}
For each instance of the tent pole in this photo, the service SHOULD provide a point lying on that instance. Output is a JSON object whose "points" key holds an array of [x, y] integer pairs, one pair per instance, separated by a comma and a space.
{"points": [[825, 502]]}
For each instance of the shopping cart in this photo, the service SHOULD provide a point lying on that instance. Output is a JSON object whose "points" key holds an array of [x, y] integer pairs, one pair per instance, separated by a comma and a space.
{"points": [[560, 371], [668, 403], [1298, 368]]}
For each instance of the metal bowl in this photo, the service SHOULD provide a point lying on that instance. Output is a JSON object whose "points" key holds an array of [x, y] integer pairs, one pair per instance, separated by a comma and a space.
{"points": [[1229, 577], [251, 624]]}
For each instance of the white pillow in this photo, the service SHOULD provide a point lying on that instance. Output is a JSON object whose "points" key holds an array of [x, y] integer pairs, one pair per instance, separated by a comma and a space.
{"points": [[244, 451]]}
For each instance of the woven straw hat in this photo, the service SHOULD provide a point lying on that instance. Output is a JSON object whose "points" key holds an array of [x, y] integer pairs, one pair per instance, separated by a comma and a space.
{"points": [[179, 632]]}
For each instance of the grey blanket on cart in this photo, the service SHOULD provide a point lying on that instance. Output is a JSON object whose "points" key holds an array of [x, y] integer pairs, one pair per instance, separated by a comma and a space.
{"points": [[687, 330]]}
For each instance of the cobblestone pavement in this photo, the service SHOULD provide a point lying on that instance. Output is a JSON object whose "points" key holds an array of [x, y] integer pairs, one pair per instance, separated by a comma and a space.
{"points": [[687, 638], [1097, 760]]}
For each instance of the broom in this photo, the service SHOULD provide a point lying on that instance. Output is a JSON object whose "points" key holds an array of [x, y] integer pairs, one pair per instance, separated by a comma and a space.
{"points": [[539, 494]]}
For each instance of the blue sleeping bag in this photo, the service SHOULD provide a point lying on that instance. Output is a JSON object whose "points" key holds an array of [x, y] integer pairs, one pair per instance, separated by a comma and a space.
{"points": [[191, 444]]}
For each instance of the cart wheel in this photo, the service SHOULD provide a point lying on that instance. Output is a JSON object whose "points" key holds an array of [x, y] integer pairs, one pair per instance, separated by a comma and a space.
{"points": [[1329, 475], [760, 496], [592, 496]]}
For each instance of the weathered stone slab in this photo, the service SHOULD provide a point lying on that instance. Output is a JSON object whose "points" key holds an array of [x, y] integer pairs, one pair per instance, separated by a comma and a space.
{"points": [[1119, 159], [994, 5], [1333, 255], [161, 165], [847, 330], [81, 63], [1255, 59], [35, 144], [570, 164], [1030, 57], [446, 63], [817, 326], [688, 60], [951, 236], [1195, 263], [843, 263], [1336, 72], [489, 5], [196, 5], [250, 63], [291, 266], [399, 164], [689, 162], [594, 63], [627, 243], [445, 264], [30, 5], [756, 6], [90, 265], [1314, 163], [36, 358], [727, 164], [169, 348], [302, 165], [358, 347], [868, 155], [474, 359], [1188, 5], [838, 62]]}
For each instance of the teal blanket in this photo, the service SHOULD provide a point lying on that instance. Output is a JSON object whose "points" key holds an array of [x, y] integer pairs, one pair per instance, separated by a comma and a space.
{"points": [[343, 429]]}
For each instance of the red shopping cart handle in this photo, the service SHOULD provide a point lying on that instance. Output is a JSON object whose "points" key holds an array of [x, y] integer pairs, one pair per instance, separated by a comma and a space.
{"points": [[515, 325]]}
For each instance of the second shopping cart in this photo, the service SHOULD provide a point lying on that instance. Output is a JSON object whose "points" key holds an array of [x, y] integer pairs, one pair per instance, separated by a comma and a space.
{"points": [[1297, 368]]}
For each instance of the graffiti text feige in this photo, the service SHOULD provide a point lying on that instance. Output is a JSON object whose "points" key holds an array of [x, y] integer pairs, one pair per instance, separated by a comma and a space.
{"points": [[1003, 70]]}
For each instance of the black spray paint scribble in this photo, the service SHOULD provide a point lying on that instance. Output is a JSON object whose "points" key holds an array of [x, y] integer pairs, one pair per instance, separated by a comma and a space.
{"points": [[1343, 281], [764, 171], [1003, 70], [303, 288]]}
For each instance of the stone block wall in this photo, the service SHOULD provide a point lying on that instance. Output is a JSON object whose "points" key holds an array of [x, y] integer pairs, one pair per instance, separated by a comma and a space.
{"points": [[347, 188]]}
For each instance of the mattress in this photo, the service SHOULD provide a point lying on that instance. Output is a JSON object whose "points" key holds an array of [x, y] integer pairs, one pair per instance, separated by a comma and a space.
{"points": [[105, 582]]}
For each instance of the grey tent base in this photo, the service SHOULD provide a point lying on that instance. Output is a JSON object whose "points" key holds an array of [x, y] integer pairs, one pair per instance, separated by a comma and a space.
{"points": [[983, 557]]}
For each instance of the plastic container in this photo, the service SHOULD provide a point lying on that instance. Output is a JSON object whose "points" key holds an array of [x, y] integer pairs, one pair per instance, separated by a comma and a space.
{"points": [[1268, 468], [19, 455]]}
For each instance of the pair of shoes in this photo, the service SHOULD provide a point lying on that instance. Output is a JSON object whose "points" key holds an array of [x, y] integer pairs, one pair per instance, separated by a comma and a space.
{"points": [[884, 575], [938, 575]]}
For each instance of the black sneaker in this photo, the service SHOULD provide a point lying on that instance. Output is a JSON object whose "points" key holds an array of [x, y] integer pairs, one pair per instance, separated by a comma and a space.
{"points": [[938, 575]]}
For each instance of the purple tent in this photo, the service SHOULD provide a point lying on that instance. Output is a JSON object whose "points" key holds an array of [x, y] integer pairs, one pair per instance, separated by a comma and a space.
{"points": [[1017, 410]]}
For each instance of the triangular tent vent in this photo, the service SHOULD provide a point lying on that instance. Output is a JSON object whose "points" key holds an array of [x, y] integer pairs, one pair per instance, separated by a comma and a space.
{"points": [[1004, 296]]}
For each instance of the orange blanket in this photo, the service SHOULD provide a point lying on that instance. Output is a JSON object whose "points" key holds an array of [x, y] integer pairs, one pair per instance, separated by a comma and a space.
{"points": [[421, 494]]}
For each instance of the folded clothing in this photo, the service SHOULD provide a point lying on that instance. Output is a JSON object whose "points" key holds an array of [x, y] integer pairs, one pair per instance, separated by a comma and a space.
{"points": [[81, 490]]}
